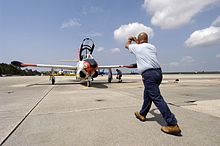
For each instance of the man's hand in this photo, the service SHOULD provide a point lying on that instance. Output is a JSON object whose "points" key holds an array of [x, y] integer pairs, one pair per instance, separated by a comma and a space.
{"points": [[130, 39]]}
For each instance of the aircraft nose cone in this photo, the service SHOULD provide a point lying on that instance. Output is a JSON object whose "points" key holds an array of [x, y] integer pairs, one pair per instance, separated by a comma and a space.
{"points": [[92, 63]]}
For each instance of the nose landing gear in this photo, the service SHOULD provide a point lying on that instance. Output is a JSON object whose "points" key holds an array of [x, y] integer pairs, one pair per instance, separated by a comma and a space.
{"points": [[88, 83]]}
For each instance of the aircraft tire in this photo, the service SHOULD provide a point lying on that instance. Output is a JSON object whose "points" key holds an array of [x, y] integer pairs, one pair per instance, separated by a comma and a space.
{"points": [[53, 81], [88, 83]]}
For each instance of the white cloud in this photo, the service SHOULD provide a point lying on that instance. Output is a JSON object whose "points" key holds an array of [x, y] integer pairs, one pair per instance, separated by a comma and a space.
{"points": [[205, 37], [114, 50], [96, 34], [132, 29], [216, 21], [70, 23], [187, 59], [217, 55], [100, 49], [171, 14], [174, 64]]}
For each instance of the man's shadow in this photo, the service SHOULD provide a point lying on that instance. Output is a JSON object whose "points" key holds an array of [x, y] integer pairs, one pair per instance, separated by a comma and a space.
{"points": [[159, 119]]}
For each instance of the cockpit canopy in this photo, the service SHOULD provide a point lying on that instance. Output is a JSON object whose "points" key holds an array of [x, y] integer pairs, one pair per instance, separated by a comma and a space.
{"points": [[87, 56], [86, 49]]}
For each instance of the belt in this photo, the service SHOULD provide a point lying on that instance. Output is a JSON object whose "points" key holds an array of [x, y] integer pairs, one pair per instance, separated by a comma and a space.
{"points": [[150, 70]]}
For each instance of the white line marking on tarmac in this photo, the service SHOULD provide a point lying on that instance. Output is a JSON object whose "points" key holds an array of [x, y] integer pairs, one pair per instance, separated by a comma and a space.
{"points": [[88, 109]]}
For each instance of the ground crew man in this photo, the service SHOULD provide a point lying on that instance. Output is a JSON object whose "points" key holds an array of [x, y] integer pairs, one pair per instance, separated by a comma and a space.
{"points": [[149, 68]]}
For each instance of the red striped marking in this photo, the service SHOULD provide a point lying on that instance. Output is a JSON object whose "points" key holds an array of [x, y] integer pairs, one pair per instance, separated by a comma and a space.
{"points": [[128, 65], [79, 55], [28, 65]]}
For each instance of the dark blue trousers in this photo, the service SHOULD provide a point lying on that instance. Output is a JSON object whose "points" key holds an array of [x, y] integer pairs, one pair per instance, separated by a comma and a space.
{"points": [[152, 80]]}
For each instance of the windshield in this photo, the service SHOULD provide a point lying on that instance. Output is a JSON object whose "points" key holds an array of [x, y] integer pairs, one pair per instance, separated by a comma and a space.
{"points": [[87, 56]]}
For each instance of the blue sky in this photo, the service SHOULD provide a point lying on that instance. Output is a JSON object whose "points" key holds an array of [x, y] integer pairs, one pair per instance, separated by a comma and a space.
{"points": [[186, 33]]}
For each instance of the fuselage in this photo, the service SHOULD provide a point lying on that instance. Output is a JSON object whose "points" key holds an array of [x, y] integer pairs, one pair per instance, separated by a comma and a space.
{"points": [[87, 68]]}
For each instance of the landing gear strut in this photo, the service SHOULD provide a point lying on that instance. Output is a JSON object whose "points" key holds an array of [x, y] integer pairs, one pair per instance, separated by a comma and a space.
{"points": [[89, 82], [110, 75], [52, 78]]}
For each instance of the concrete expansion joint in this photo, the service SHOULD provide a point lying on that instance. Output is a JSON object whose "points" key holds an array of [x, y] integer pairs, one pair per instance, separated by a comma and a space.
{"points": [[14, 129], [126, 93], [86, 110]]}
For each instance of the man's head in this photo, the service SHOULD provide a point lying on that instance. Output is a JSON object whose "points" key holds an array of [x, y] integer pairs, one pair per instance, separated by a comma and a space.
{"points": [[142, 38]]}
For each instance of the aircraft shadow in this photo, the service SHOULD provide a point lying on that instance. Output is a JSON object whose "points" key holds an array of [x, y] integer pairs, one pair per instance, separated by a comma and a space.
{"points": [[116, 82], [47, 84], [95, 84]]}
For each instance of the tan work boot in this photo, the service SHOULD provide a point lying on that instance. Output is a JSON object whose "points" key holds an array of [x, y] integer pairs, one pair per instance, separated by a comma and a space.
{"points": [[171, 129], [139, 116]]}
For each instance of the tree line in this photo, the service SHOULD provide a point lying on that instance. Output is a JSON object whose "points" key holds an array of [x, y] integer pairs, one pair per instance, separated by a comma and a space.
{"points": [[8, 69]]}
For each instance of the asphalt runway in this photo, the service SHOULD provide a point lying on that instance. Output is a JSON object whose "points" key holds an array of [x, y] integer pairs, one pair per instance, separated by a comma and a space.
{"points": [[34, 112]]}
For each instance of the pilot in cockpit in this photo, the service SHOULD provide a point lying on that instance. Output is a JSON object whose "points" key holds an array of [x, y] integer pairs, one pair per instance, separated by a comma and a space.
{"points": [[87, 56]]}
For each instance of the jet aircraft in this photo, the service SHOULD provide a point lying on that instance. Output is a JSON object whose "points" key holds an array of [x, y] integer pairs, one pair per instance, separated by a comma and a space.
{"points": [[86, 68]]}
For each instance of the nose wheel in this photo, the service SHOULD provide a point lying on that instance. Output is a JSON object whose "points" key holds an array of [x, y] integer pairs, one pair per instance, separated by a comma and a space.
{"points": [[88, 83]]}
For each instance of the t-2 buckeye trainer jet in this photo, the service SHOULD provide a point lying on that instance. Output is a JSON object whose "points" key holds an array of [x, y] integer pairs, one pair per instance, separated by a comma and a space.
{"points": [[86, 68]]}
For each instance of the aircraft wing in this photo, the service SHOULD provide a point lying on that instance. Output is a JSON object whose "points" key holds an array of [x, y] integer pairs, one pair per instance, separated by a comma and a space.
{"points": [[117, 66], [68, 67]]}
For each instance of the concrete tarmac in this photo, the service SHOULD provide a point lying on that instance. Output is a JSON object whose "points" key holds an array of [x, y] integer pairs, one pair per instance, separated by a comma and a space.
{"points": [[34, 112]]}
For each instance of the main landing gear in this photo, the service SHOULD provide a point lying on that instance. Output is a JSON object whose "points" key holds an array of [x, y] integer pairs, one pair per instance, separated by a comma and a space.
{"points": [[119, 75], [52, 77], [110, 75], [53, 80]]}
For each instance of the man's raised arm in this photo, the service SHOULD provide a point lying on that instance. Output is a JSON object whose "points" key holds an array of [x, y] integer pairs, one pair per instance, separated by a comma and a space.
{"points": [[130, 39]]}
